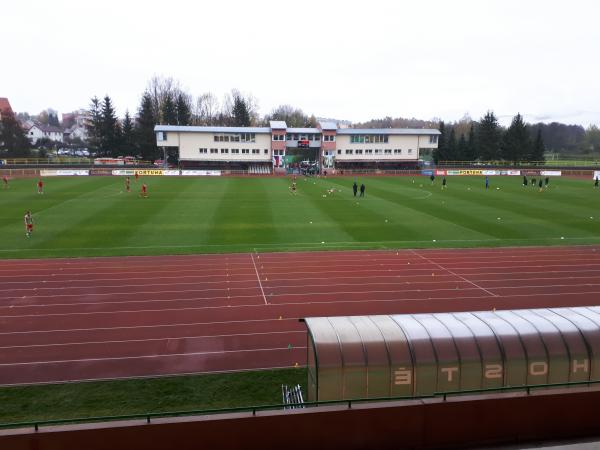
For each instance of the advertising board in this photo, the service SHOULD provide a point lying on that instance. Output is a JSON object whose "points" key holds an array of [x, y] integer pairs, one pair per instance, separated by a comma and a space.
{"points": [[63, 173], [201, 173], [550, 173]]}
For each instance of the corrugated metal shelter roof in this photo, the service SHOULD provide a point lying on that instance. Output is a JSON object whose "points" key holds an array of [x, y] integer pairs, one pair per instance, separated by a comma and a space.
{"points": [[193, 129], [303, 130], [278, 124], [328, 125], [421, 354], [425, 131]]}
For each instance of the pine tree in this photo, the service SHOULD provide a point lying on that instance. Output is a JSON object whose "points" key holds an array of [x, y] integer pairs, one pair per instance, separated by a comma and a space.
{"points": [[439, 153], [471, 152], [184, 110], [109, 133], [538, 148], [93, 125], [240, 113], [516, 145], [144, 131], [12, 137], [168, 110], [451, 148], [462, 148], [127, 138], [489, 138]]}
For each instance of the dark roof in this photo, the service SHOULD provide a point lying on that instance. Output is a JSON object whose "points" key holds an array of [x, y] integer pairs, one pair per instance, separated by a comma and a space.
{"points": [[5, 105], [48, 128]]}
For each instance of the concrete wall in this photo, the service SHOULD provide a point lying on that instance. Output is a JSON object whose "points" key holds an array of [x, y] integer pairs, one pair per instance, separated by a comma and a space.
{"points": [[408, 144], [460, 421], [190, 144]]}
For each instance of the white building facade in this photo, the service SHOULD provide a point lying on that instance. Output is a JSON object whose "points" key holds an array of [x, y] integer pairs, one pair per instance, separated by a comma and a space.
{"points": [[38, 131], [339, 148]]}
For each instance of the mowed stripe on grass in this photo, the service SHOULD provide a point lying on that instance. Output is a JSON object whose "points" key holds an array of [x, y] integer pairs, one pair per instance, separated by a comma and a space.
{"points": [[93, 216]]}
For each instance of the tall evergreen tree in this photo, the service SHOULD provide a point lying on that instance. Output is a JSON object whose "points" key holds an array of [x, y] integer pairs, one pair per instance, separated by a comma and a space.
{"points": [[451, 147], [144, 131], [240, 112], [462, 149], [538, 148], [516, 145], [94, 124], [184, 110], [168, 110], [127, 137], [489, 138], [471, 151], [109, 138], [439, 153], [12, 137]]}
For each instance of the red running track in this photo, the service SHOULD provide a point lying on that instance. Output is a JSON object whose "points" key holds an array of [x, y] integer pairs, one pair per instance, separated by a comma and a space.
{"points": [[98, 318]]}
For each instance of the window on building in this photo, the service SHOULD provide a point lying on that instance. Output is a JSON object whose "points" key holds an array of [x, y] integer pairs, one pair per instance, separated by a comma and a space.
{"points": [[288, 137], [317, 137], [410, 150], [255, 151], [245, 151], [339, 152], [224, 150], [235, 150], [235, 138], [214, 150], [433, 139], [397, 151], [161, 136], [348, 152], [332, 139], [388, 151], [368, 151], [266, 151], [359, 152], [216, 138], [203, 150]]}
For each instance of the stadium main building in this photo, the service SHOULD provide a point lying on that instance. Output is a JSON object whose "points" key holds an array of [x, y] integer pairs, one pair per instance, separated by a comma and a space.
{"points": [[260, 149]]}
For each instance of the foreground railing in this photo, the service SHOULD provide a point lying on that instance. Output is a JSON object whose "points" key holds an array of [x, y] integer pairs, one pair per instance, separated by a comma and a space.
{"points": [[148, 417]]}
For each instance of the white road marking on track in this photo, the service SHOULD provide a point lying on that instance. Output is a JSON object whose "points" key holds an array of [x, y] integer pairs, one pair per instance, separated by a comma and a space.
{"points": [[162, 375], [332, 302], [459, 276], [169, 355], [258, 278], [208, 336]]}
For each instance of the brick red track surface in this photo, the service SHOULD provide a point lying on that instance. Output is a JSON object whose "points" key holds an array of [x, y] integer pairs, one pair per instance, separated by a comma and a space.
{"points": [[95, 318]]}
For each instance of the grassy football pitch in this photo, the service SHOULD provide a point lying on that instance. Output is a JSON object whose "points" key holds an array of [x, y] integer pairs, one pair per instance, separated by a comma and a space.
{"points": [[93, 216]]}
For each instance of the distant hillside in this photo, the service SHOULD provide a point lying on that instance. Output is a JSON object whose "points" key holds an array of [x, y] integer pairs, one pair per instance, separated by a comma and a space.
{"points": [[399, 122]]}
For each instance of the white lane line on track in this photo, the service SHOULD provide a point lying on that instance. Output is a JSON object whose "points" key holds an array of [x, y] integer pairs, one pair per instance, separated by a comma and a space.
{"points": [[334, 293], [453, 273], [331, 302], [208, 336], [258, 278], [162, 375], [170, 355], [161, 325]]}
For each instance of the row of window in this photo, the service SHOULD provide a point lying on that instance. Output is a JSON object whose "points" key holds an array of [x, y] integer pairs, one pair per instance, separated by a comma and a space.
{"points": [[223, 151], [369, 138], [378, 151], [236, 137]]}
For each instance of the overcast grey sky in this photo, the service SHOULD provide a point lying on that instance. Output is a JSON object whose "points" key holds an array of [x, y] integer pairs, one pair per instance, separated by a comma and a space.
{"points": [[350, 59]]}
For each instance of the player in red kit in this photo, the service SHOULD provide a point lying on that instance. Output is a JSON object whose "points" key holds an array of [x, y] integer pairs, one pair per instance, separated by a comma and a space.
{"points": [[40, 186], [127, 184], [5, 181], [144, 192]]}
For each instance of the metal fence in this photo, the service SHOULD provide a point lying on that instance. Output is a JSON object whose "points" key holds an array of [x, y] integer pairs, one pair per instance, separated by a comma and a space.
{"points": [[252, 410]]}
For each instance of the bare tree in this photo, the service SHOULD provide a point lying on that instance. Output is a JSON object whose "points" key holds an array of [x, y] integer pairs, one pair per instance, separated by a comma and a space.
{"points": [[206, 109]]}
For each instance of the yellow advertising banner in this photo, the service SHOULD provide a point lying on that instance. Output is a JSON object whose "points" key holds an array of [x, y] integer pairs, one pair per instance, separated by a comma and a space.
{"points": [[149, 172]]}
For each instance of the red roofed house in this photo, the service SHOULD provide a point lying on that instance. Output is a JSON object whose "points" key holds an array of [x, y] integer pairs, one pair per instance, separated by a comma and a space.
{"points": [[5, 107]]}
